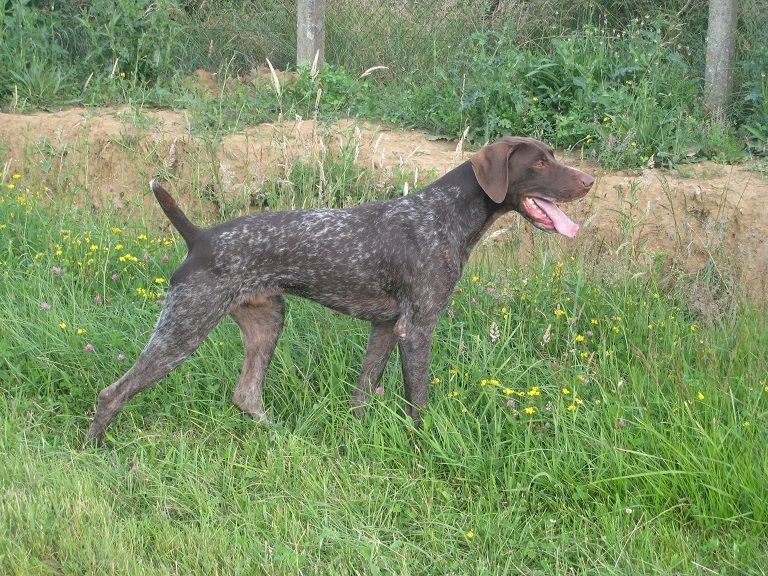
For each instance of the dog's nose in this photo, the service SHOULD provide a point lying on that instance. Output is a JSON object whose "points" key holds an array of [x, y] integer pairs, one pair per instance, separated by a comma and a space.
{"points": [[587, 180]]}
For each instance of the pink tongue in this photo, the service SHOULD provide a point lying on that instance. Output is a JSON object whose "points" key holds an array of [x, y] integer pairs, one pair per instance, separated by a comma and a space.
{"points": [[563, 224]]}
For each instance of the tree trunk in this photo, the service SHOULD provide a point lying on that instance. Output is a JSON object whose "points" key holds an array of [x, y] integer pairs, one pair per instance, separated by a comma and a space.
{"points": [[721, 52]]}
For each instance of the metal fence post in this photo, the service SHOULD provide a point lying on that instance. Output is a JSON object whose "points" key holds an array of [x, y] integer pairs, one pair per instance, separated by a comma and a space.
{"points": [[310, 36]]}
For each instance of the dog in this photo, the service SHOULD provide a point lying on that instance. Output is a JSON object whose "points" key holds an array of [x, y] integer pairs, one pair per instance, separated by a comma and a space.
{"points": [[393, 262]]}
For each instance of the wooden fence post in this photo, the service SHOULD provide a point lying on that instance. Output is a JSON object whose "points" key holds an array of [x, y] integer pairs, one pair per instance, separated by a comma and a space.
{"points": [[721, 56], [310, 32]]}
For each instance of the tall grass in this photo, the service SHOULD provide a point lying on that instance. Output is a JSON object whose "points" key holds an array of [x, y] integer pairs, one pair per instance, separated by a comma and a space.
{"points": [[576, 425]]}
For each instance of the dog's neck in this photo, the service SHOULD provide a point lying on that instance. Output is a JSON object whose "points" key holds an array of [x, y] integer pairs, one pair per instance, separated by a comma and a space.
{"points": [[473, 212]]}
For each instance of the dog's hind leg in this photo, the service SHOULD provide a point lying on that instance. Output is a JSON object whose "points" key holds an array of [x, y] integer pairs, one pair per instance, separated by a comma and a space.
{"points": [[261, 322], [182, 326]]}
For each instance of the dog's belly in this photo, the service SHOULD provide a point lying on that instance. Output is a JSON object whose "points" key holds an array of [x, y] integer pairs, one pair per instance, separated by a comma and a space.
{"points": [[366, 306]]}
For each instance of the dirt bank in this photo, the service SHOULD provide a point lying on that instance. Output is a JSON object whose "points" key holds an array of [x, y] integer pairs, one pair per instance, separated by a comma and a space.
{"points": [[700, 217]]}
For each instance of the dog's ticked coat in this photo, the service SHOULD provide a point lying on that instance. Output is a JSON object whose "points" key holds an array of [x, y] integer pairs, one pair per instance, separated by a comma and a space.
{"points": [[393, 262]]}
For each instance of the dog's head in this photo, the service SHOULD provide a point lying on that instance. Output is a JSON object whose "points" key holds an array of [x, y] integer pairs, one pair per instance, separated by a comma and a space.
{"points": [[523, 174]]}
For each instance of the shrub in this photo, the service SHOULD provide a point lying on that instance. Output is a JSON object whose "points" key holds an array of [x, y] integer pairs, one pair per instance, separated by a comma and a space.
{"points": [[33, 62], [136, 40]]}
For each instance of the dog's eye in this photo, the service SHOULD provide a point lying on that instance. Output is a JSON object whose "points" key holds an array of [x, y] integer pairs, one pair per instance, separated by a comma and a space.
{"points": [[540, 164]]}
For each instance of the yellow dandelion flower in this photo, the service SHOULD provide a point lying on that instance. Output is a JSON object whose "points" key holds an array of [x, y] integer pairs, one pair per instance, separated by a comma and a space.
{"points": [[452, 371], [700, 396], [534, 391], [16, 176], [508, 391], [475, 279], [579, 338], [571, 408], [530, 410], [159, 280], [63, 325], [565, 391], [470, 535], [80, 331], [559, 312], [435, 380], [594, 321]]}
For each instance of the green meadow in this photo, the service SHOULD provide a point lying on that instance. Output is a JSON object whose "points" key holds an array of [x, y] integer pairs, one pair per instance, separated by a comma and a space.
{"points": [[580, 422]]}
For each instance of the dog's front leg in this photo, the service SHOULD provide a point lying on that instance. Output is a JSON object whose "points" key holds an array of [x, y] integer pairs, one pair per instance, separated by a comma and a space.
{"points": [[381, 342], [415, 341]]}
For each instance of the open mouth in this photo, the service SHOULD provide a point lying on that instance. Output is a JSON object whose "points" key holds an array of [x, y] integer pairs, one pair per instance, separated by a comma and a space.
{"points": [[547, 216]]}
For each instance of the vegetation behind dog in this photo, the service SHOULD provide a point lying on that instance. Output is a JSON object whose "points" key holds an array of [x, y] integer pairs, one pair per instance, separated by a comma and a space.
{"points": [[623, 85]]}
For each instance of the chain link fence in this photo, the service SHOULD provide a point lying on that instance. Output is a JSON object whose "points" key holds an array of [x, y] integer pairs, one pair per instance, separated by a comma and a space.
{"points": [[406, 36]]}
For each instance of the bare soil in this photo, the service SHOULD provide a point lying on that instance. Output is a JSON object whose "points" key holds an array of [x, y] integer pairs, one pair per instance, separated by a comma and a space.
{"points": [[705, 218]]}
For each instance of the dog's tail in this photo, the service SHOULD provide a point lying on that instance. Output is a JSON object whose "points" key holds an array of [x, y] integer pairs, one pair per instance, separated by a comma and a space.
{"points": [[179, 220]]}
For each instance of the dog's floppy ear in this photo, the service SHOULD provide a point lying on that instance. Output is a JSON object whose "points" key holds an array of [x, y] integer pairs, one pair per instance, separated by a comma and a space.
{"points": [[491, 168]]}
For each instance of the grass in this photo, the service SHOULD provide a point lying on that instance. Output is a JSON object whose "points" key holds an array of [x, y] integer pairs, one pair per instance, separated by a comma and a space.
{"points": [[577, 424]]}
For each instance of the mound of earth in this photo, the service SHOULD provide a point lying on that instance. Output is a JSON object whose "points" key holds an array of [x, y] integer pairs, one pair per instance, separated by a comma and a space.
{"points": [[705, 218]]}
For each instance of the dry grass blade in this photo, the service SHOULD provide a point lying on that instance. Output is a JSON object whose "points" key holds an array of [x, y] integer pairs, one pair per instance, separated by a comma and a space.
{"points": [[372, 69], [313, 70], [458, 155], [275, 79]]}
